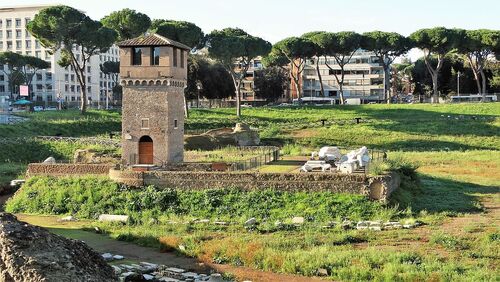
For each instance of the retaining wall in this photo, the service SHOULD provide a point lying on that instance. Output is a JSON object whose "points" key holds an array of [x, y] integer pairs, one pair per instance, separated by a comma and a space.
{"points": [[377, 188], [40, 169]]}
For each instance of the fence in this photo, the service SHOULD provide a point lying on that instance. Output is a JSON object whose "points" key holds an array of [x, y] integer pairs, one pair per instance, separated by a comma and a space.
{"points": [[268, 154]]}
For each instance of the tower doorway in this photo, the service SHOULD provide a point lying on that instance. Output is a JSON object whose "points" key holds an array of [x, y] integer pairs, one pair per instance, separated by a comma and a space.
{"points": [[146, 150]]}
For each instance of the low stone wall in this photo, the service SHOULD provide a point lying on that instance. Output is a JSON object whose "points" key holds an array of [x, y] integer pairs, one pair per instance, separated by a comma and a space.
{"points": [[377, 188], [40, 169]]}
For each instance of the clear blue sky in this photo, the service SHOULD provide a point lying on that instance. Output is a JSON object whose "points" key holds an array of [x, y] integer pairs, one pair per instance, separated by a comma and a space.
{"points": [[277, 19]]}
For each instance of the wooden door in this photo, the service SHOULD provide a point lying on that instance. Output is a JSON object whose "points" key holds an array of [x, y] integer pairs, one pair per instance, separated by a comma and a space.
{"points": [[145, 150]]}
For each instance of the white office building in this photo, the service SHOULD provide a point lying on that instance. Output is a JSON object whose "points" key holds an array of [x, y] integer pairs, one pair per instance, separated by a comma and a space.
{"points": [[56, 82]]}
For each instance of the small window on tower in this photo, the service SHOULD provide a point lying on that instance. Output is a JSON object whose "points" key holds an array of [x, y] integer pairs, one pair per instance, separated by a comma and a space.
{"points": [[145, 123], [155, 56], [175, 124], [136, 56], [175, 57]]}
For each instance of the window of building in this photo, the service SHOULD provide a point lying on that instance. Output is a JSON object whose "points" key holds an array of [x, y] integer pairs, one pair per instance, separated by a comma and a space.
{"points": [[1, 34], [72, 98], [48, 76], [66, 77], [8, 23], [49, 98], [136, 56], [27, 33], [89, 69], [2, 77], [174, 57], [145, 123], [2, 88], [89, 79], [39, 87], [19, 44], [27, 21], [78, 88], [38, 76], [155, 56], [18, 22], [175, 124], [19, 33], [28, 43], [39, 98], [1, 45], [27, 53], [89, 89], [182, 58], [37, 44], [72, 88], [38, 54], [72, 77], [9, 34], [1, 23], [66, 88]]}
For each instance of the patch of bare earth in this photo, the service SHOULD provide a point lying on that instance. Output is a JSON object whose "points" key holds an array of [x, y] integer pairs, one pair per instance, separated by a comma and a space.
{"points": [[249, 274]]}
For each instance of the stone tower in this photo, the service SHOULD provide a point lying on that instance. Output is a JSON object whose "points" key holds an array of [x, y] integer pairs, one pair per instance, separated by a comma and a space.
{"points": [[153, 71]]}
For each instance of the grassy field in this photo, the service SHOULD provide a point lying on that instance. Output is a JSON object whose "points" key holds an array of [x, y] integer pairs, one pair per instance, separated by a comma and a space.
{"points": [[456, 149]]}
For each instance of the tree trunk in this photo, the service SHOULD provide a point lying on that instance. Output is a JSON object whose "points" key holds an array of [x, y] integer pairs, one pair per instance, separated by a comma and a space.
{"points": [[238, 101], [322, 89], [435, 93], [483, 76], [476, 73], [341, 86], [387, 83]]}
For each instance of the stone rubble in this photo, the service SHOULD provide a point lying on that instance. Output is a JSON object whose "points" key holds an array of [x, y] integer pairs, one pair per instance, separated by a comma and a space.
{"points": [[145, 271]]}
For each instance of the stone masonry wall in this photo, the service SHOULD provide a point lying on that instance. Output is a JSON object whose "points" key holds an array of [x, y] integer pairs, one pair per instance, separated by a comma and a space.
{"points": [[39, 169]]}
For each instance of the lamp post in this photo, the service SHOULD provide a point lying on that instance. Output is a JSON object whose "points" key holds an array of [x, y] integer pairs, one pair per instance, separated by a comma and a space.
{"points": [[199, 86], [458, 83]]}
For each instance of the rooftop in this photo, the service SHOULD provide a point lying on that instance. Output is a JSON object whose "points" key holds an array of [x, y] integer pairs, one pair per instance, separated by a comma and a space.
{"points": [[152, 40]]}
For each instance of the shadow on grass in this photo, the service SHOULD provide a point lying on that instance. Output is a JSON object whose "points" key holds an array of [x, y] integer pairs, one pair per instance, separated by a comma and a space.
{"points": [[430, 145], [437, 195], [418, 121]]}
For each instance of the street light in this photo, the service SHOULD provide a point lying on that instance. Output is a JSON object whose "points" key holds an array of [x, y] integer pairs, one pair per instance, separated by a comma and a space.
{"points": [[458, 83], [199, 87]]}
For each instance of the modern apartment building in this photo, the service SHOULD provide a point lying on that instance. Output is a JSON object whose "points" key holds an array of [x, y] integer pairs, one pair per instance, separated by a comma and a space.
{"points": [[364, 79], [56, 82], [248, 86]]}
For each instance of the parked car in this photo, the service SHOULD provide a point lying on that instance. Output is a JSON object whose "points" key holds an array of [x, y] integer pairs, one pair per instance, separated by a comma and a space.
{"points": [[51, 108], [38, 108]]}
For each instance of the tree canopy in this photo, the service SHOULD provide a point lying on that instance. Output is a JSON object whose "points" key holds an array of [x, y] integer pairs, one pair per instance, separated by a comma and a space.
{"points": [[127, 23], [437, 42], [232, 47], [293, 51], [184, 32], [340, 45], [270, 83], [387, 46], [72, 32]]}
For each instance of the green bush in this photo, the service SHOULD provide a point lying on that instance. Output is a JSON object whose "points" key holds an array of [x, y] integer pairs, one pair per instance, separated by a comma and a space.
{"points": [[87, 197]]}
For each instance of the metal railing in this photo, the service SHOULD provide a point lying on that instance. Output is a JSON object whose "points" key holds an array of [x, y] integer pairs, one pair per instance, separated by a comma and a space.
{"points": [[269, 154]]}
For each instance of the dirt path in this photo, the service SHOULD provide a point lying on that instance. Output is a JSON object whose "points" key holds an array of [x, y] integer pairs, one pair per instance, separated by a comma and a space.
{"points": [[134, 253]]}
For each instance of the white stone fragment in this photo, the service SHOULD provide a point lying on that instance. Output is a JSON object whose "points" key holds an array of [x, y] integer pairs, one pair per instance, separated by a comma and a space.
{"points": [[113, 218], [298, 220]]}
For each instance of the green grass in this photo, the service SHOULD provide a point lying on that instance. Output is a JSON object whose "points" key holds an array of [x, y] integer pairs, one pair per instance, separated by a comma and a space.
{"points": [[458, 160], [88, 197]]}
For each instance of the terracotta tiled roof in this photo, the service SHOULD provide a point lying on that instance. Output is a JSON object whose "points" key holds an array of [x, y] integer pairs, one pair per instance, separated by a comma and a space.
{"points": [[152, 40]]}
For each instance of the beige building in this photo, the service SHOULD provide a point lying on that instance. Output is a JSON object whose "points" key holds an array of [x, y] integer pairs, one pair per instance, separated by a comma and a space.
{"points": [[364, 79], [56, 81], [153, 74]]}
